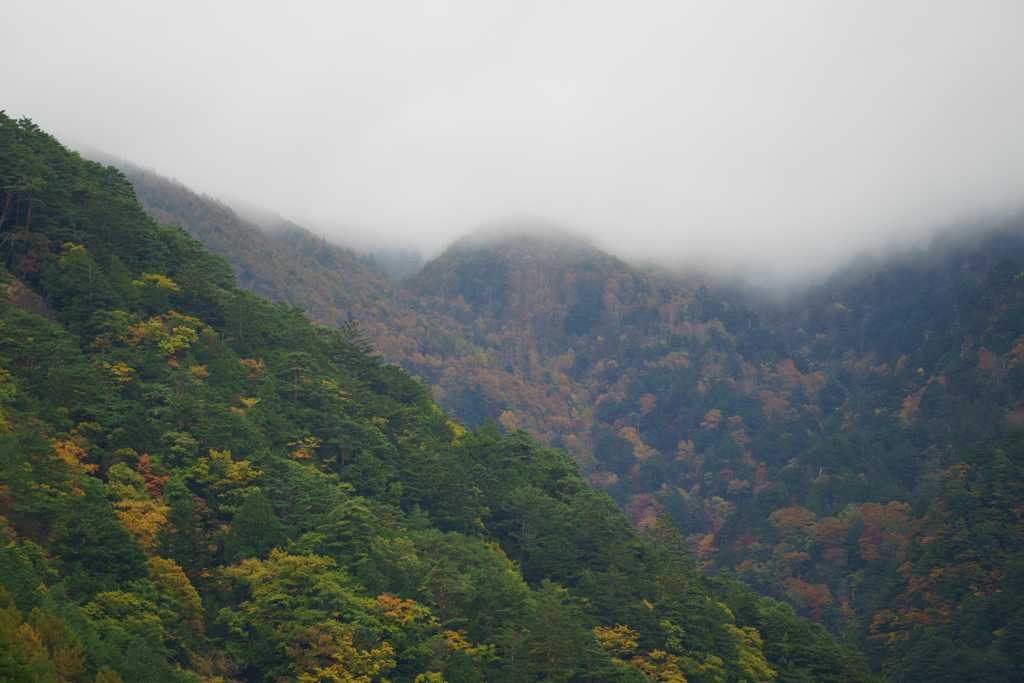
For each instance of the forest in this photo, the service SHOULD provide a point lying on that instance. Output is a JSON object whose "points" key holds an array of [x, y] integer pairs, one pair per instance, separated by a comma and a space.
{"points": [[530, 460]]}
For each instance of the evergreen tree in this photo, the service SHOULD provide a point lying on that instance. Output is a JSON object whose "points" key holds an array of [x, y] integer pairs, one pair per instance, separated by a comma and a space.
{"points": [[255, 530]]}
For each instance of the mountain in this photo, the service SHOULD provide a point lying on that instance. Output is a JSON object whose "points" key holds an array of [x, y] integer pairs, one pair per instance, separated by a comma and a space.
{"points": [[804, 446], [814, 448], [200, 484], [288, 263]]}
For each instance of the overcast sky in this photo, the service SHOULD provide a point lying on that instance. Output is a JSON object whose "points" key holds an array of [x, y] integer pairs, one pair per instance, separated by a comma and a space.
{"points": [[782, 132]]}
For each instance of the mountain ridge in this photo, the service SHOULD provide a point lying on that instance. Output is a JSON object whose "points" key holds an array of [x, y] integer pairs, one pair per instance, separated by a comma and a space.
{"points": [[758, 426], [201, 485]]}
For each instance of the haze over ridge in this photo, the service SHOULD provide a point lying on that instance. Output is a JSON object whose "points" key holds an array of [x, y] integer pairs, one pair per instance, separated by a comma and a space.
{"points": [[787, 135]]}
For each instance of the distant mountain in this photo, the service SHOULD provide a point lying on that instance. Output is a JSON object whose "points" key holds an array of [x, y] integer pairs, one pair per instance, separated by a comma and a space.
{"points": [[392, 263], [797, 444], [542, 308], [286, 263]]}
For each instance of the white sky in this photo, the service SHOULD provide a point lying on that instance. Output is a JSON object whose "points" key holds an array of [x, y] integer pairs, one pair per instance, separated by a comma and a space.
{"points": [[781, 132]]}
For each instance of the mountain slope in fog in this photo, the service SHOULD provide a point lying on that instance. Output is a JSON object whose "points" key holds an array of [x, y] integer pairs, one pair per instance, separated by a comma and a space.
{"points": [[809, 446]]}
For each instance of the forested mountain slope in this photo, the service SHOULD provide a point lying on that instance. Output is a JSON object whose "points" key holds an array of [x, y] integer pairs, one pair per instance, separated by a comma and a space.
{"points": [[290, 264], [803, 446], [808, 447], [198, 484]]}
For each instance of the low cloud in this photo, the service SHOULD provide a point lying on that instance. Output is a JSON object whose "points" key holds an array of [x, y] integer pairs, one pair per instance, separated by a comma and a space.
{"points": [[781, 136]]}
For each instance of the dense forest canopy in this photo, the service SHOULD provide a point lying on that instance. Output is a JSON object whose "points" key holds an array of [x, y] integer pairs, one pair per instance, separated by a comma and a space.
{"points": [[662, 478], [199, 484]]}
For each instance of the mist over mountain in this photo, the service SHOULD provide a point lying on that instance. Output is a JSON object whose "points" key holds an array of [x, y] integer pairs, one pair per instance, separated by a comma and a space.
{"points": [[456, 342], [804, 440], [783, 136], [851, 448], [202, 484]]}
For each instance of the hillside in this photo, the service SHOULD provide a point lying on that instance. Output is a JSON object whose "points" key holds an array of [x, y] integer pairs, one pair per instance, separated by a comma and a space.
{"points": [[290, 264], [805, 453], [199, 484], [809, 447]]}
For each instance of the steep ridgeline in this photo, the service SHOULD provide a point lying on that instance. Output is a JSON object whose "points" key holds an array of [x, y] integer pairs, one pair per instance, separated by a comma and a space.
{"points": [[558, 316], [199, 485], [289, 264], [582, 331]]}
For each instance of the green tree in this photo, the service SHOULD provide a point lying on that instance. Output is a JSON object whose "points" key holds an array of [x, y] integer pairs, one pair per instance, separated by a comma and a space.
{"points": [[96, 551], [255, 530]]}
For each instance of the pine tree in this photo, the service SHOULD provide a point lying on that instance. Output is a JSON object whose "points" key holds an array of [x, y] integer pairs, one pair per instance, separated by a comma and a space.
{"points": [[255, 530]]}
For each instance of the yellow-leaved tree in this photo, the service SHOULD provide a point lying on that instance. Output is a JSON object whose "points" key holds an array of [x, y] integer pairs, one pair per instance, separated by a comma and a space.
{"points": [[226, 481], [138, 512]]}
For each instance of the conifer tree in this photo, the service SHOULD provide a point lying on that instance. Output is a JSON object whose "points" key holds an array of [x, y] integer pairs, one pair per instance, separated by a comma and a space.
{"points": [[255, 530]]}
